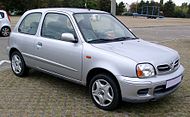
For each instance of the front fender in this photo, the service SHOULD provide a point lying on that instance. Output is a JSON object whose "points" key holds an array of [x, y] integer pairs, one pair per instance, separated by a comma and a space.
{"points": [[112, 62]]}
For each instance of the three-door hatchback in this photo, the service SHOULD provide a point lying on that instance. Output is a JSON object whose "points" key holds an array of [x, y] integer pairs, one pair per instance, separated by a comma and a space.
{"points": [[5, 25], [95, 49]]}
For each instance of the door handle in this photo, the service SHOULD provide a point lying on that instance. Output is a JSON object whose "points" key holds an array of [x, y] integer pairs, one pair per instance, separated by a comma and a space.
{"points": [[39, 45]]}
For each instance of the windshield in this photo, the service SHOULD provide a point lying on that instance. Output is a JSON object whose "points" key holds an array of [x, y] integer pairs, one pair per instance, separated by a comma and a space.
{"points": [[99, 28]]}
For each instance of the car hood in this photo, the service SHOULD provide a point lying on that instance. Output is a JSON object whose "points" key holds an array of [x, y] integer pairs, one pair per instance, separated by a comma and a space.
{"points": [[141, 51]]}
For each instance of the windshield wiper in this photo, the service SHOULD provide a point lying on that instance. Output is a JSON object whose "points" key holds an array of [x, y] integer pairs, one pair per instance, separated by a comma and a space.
{"points": [[124, 38], [111, 40], [100, 41]]}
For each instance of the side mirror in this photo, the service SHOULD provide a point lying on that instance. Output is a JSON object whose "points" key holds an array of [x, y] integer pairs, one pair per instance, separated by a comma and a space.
{"points": [[68, 37]]}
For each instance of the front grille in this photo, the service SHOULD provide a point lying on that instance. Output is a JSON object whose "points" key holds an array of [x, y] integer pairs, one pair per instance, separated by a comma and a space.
{"points": [[168, 67], [176, 63], [163, 68]]}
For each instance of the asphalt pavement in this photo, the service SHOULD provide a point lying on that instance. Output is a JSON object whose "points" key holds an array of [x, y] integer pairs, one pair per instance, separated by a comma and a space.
{"points": [[162, 33]]}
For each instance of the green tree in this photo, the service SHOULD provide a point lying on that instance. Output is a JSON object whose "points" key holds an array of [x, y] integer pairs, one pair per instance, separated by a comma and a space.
{"points": [[91, 4], [179, 13], [20, 5], [140, 8], [133, 7], [137, 7], [169, 9], [105, 5], [161, 5], [188, 11], [162, 2], [120, 8], [73, 3]]}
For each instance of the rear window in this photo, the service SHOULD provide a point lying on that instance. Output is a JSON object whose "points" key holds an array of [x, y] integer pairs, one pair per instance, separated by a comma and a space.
{"points": [[2, 15]]}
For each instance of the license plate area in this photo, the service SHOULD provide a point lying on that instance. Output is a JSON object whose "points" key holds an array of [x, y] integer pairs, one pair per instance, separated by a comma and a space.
{"points": [[173, 82]]}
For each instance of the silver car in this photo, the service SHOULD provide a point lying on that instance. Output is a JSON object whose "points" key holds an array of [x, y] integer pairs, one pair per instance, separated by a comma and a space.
{"points": [[5, 25], [95, 49]]}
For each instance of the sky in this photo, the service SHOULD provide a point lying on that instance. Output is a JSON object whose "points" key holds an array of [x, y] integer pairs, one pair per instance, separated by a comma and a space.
{"points": [[177, 2]]}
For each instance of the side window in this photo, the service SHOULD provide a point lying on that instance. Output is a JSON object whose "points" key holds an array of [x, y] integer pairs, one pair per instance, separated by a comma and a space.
{"points": [[29, 24], [55, 24]]}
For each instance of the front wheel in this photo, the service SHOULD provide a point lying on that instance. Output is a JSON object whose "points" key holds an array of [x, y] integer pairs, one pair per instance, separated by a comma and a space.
{"points": [[18, 65], [104, 92]]}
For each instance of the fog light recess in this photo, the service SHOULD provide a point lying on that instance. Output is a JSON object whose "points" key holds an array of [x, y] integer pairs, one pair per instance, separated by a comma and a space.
{"points": [[143, 91]]}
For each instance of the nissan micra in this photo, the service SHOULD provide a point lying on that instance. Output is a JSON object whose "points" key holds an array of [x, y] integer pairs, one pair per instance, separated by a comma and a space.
{"points": [[95, 49]]}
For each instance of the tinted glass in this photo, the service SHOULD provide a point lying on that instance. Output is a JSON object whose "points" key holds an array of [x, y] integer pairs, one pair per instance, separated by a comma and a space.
{"points": [[55, 25], [30, 23]]}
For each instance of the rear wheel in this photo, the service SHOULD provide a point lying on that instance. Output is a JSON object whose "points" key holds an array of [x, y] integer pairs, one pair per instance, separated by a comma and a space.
{"points": [[5, 31], [104, 92], [18, 65]]}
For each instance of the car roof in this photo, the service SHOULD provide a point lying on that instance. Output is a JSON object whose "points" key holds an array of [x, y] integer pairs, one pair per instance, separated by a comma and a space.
{"points": [[3, 11], [69, 10]]}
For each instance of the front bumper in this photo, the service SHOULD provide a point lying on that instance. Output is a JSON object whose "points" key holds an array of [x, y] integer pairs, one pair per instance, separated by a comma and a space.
{"points": [[142, 90]]}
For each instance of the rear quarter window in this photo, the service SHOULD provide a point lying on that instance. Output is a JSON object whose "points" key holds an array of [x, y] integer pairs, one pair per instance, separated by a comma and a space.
{"points": [[29, 24]]}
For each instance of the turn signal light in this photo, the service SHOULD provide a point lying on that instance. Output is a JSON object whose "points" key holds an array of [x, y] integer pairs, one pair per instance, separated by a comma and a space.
{"points": [[139, 72]]}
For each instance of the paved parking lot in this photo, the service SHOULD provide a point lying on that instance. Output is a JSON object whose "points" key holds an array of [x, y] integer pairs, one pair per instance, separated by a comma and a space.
{"points": [[163, 33], [44, 95]]}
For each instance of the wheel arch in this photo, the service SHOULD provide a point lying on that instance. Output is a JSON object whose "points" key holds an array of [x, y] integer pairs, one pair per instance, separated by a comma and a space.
{"points": [[6, 26], [96, 71], [11, 51], [24, 70]]}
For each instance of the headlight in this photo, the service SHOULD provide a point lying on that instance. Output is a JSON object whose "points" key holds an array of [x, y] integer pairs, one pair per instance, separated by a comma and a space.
{"points": [[145, 70]]}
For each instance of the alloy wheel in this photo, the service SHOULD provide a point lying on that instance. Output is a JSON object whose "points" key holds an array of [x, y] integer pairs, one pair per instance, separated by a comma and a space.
{"points": [[5, 31], [102, 92], [16, 64]]}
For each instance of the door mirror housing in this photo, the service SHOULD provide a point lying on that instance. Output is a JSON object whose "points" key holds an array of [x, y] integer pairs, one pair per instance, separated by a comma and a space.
{"points": [[68, 37]]}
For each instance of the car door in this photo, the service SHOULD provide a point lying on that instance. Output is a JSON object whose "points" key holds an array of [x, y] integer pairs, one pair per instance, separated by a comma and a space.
{"points": [[26, 36], [55, 55]]}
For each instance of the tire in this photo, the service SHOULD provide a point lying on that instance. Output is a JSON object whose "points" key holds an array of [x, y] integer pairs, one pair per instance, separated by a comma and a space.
{"points": [[5, 31], [104, 92], [18, 65]]}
